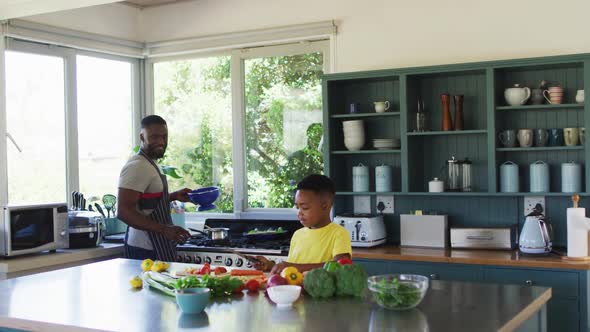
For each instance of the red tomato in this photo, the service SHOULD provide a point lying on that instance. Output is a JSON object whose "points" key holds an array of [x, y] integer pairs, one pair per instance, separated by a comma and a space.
{"points": [[252, 285], [344, 261], [220, 270], [206, 269], [239, 289]]}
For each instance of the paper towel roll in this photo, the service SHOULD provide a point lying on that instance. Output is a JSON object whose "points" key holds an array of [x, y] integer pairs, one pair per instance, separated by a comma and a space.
{"points": [[577, 232]]}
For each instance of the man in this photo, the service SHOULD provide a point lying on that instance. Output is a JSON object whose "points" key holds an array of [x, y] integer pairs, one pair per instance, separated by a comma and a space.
{"points": [[144, 202]]}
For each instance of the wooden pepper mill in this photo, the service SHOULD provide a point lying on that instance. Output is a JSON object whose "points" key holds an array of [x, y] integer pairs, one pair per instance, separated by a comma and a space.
{"points": [[458, 125], [447, 122]]}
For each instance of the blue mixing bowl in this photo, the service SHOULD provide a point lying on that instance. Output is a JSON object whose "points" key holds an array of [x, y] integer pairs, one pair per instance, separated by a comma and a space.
{"points": [[204, 197], [192, 300]]}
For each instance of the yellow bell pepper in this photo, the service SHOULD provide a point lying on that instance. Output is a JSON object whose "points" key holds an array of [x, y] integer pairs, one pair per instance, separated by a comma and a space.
{"points": [[136, 282], [292, 275]]}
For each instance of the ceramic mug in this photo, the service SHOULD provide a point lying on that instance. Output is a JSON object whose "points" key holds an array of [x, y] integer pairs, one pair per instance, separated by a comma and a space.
{"points": [[582, 133], [525, 137], [381, 106], [508, 138], [580, 97], [541, 137], [554, 95], [537, 97], [570, 136], [555, 137]]}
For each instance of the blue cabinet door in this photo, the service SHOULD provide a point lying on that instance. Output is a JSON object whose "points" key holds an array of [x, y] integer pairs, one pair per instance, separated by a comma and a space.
{"points": [[436, 271], [564, 284]]}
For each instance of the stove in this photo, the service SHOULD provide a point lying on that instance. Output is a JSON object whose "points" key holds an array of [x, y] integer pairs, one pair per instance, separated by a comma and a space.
{"points": [[200, 249]]}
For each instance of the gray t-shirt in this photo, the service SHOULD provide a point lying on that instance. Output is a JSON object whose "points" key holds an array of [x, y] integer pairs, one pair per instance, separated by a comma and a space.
{"points": [[140, 175]]}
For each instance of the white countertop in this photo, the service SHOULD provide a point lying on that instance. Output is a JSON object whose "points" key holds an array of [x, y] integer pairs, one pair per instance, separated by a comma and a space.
{"points": [[62, 256]]}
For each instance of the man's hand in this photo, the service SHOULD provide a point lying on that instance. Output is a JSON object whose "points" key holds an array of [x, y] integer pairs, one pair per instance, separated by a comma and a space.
{"points": [[175, 233], [278, 268], [180, 195], [262, 264]]}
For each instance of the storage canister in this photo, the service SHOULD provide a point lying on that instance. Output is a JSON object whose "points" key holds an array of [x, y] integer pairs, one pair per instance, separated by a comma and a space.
{"points": [[360, 178], [383, 178], [539, 177], [509, 180], [436, 186], [571, 177]]}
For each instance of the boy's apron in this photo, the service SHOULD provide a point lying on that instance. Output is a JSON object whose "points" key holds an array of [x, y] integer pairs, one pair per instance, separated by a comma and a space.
{"points": [[160, 203]]}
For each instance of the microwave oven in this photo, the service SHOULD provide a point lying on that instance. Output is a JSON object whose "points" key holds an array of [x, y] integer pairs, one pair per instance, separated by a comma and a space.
{"points": [[27, 229]]}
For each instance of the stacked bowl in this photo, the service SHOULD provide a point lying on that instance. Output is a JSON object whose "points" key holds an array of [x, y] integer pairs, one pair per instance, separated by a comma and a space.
{"points": [[354, 134]]}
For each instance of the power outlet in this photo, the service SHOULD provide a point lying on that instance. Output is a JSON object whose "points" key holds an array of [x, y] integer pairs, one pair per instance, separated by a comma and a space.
{"points": [[531, 201], [387, 202], [362, 204]]}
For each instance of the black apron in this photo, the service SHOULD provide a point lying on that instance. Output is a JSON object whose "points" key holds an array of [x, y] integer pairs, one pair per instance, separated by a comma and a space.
{"points": [[165, 249]]}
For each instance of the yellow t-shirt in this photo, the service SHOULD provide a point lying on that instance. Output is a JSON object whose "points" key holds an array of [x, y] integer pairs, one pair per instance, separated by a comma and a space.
{"points": [[319, 245]]}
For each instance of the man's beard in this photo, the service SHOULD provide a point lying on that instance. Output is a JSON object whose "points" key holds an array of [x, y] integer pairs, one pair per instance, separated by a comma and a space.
{"points": [[154, 154]]}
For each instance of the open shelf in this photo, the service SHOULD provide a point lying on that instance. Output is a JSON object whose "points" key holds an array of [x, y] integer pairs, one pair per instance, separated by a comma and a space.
{"points": [[364, 115], [367, 151], [366, 193], [542, 148], [541, 107], [452, 132]]}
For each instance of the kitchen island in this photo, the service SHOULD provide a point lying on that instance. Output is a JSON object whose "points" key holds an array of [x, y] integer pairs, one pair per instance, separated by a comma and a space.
{"points": [[97, 296]]}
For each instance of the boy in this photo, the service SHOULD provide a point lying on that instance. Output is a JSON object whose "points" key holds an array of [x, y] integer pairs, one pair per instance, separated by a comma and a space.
{"points": [[320, 240]]}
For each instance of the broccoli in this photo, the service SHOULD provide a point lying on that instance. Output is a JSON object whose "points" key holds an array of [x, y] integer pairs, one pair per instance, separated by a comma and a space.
{"points": [[351, 279], [319, 283]]}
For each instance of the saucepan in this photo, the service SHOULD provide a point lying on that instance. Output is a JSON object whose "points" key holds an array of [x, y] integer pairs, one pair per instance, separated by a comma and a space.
{"points": [[220, 233]]}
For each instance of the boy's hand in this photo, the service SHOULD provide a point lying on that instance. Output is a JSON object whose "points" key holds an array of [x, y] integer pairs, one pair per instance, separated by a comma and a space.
{"points": [[278, 268], [262, 264]]}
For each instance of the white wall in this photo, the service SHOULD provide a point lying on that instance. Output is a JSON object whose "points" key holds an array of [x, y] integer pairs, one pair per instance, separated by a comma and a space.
{"points": [[19, 8], [377, 34], [113, 20]]}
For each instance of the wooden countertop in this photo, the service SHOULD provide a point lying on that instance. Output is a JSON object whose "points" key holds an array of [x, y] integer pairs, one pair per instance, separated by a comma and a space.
{"points": [[466, 256]]}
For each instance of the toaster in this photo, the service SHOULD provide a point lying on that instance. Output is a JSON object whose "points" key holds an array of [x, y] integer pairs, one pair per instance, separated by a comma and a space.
{"points": [[365, 230]]}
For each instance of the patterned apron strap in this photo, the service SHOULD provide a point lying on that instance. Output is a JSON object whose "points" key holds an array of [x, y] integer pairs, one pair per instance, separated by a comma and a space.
{"points": [[164, 248]]}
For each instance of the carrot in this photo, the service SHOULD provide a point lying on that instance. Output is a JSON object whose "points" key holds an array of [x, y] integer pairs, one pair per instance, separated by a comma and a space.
{"points": [[246, 273]]}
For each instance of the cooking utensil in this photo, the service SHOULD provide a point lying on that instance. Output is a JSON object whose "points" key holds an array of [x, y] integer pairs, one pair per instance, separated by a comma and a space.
{"points": [[220, 233], [265, 235], [109, 201], [99, 209]]}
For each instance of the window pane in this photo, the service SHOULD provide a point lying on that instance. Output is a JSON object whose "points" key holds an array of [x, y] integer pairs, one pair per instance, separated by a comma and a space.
{"points": [[194, 97], [283, 126], [105, 114], [36, 120]]}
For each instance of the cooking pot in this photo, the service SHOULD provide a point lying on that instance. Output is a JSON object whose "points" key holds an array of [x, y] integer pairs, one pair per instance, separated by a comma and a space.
{"points": [[220, 233]]}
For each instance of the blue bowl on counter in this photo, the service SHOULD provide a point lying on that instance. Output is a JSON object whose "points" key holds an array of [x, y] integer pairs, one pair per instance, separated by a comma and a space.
{"points": [[192, 300], [204, 197]]}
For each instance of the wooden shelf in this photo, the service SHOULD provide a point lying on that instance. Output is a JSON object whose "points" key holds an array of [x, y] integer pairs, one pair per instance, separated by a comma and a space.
{"points": [[367, 151], [364, 115], [447, 193], [543, 148], [453, 132], [540, 107]]}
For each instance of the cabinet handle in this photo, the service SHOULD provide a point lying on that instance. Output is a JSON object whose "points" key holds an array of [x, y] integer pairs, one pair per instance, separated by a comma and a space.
{"points": [[528, 282], [434, 276]]}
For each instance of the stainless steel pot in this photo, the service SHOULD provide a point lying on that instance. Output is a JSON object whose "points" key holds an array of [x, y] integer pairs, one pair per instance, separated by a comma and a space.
{"points": [[220, 233]]}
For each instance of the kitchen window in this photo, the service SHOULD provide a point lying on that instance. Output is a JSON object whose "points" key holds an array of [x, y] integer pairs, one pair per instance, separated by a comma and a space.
{"points": [[194, 97], [247, 120], [71, 122], [35, 128]]}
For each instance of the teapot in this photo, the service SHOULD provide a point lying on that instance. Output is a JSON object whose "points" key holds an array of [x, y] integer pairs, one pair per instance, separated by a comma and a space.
{"points": [[516, 95]]}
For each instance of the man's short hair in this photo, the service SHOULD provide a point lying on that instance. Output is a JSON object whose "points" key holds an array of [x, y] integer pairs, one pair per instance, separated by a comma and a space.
{"points": [[318, 183], [152, 120]]}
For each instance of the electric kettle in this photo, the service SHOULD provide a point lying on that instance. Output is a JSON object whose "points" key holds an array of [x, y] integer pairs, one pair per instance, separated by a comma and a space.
{"points": [[534, 238]]}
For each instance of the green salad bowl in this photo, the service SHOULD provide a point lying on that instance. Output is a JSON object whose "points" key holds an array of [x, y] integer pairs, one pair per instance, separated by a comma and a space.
{"points": [[398, 291]]}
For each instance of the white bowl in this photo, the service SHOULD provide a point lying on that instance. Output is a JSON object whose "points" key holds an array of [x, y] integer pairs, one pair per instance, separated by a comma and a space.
{"points": [[284, 295]]}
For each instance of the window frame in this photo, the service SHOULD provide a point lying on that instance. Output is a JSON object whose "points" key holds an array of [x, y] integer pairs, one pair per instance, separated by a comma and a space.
{"points": [[70, 101], [237, 74]]}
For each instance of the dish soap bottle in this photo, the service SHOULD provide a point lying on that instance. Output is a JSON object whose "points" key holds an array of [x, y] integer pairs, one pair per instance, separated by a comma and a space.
{"points": [[420, 117]]}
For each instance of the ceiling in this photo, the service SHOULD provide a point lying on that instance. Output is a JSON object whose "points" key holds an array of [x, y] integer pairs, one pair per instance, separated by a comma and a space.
{"points": [[151, 3]]}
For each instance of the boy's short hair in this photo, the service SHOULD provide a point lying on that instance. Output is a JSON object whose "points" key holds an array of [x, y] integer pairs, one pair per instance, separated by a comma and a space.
{"points": [[318, 183]]}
